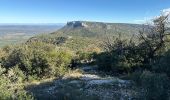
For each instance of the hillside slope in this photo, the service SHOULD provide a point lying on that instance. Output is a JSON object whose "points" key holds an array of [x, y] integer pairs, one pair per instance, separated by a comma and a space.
{"points": [[98, 29], [83, 35]]}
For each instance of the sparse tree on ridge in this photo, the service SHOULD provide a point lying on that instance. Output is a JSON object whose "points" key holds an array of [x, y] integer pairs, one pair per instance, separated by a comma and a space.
{"points": [[153, 38]]}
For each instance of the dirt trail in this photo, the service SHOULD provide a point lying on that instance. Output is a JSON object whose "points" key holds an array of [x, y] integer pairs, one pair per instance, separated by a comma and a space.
{"points": [[88, 84]]}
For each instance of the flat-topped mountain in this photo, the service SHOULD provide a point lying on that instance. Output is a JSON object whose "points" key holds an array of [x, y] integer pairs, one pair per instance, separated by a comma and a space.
{"points": [[81, 34], [93, 29]]}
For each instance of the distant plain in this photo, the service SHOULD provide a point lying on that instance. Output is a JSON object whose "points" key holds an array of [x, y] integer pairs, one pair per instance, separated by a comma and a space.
{"points": [[12, 34]]}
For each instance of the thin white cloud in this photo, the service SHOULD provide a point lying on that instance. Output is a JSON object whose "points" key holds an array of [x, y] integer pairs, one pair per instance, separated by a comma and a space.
{"points": [[149, 19], [166, 11]]}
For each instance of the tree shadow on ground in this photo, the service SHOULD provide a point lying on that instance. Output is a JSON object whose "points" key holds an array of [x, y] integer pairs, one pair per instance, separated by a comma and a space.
{"points": [[60, 89]]}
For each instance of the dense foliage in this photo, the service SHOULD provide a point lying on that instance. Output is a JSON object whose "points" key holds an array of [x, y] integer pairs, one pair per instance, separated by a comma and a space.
{"points": [[148, 53], [121, 56], [163, 64], [155, 86], [9, 89], [29, 62], [150, 47], [37, 59]]}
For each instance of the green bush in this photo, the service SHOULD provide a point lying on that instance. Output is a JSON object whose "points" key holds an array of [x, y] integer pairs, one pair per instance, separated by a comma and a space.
{"points": [[86, 57], [104, 61], [16, 75], [22, 95], [8, 91], [135, 76], [163, 65], [5, 94], [122, 56], [155, 86], [38, 59]]}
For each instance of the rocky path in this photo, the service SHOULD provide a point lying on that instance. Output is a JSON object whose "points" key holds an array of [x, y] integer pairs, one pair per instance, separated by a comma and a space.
{"points": [[86, 86]]}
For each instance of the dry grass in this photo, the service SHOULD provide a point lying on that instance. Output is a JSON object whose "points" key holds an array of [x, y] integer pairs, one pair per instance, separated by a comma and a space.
{"points": [[73, 74]]}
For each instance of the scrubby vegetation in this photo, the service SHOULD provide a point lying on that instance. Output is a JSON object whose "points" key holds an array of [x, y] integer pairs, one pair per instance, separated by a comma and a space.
{"points": [[37, 59], [28, 62], [10, 88], [147, 61], [143, 59], [155, 86]]}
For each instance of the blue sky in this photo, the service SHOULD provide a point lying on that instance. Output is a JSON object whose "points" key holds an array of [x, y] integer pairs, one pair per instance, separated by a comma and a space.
{"points": [[61, 11]]}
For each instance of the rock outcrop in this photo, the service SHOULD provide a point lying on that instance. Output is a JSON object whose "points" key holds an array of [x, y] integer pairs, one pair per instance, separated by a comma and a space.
{"points": [[76, 24]]}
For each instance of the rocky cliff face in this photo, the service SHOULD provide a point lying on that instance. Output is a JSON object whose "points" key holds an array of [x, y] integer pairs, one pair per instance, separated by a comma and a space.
{"points": [[86, 24], [76, 24]]}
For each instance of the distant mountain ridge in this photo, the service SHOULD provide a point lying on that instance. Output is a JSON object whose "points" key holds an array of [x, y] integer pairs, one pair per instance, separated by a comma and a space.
{"points": [[80, 35], [93, 29]]}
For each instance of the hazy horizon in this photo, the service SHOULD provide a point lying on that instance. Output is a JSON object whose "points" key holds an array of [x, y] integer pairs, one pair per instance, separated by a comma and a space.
{"points": [[61, 24], [32, 23]]}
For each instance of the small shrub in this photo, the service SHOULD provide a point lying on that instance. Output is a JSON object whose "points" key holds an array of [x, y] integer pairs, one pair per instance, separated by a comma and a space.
{"points": [[122, 56], [104, 61], [16, 75], [23, 95], [135, 76], [163, 65], [5, 94], [155, 86], [8, 91], [84, 56]]}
